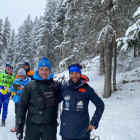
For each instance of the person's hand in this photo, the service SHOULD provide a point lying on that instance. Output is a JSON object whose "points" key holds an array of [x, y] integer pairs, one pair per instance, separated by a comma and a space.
{"points": [[19, 133], [20, 88], [90, 127]]}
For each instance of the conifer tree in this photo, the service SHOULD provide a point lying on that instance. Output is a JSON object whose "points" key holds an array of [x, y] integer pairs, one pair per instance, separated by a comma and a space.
{"points": [[6, 38]]}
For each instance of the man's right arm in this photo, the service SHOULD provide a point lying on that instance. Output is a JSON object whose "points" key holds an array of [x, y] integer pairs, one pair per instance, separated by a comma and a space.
{"points": [[60, 95], [97, 101], [23, 106]]}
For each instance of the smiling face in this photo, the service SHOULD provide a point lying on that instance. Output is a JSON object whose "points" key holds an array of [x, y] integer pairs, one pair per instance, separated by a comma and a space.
{"points": [[8, 69], [22, 77], [44, 72], [75, 77]]}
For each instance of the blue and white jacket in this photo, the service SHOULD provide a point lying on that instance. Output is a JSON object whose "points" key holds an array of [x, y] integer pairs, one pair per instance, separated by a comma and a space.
{"points": [[22, 84]]}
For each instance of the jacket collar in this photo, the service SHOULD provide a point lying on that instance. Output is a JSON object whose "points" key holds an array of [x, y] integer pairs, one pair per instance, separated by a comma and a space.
{"points": [[84, 79], [26, 78], [76, 86], [45, 81]]}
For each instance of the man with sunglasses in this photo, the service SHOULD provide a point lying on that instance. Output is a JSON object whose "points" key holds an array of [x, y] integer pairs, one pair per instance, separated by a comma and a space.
{"points": [[6, 80], [76, 94]]}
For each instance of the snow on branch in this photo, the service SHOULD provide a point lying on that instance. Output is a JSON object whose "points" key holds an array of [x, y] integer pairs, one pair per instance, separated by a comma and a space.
{"points": [[131, 34], [64, 60], [137, 13], [107, 30]]}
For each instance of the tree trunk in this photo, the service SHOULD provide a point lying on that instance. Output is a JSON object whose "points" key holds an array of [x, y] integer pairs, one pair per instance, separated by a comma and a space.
{"points": [[108, 68], [115, 65], [134, 51], [47, 44], [102, 65], [64, 52]]}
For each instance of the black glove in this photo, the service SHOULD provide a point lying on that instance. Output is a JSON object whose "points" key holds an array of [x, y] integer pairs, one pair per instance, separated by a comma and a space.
{"points": [[19, 133], [15, 86]]}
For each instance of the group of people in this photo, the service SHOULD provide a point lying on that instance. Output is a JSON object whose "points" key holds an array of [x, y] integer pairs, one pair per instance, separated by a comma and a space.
{"points": [[37, 96], [7, 82]]}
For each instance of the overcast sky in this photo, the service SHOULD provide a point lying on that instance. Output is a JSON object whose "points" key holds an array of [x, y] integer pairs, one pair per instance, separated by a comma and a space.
{"points": [[18, 10]]}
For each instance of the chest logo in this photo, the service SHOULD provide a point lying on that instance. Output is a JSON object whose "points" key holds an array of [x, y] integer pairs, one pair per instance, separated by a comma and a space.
{"points": [[67, 104], [66, 98], [82, 90], [80, 104]]}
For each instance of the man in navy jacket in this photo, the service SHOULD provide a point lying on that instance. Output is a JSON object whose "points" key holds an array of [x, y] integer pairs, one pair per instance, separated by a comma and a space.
{"points": [[76, 94]]}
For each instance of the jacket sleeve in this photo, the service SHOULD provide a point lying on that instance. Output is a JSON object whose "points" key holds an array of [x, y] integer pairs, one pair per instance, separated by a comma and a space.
{"points": [[12, 89], [23, 106], [97, 101], [61, 94]]}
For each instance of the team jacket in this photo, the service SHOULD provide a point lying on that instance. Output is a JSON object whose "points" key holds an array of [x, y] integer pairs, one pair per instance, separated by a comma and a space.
{"points": [[22, 84], [39, 111], [75, 117]]}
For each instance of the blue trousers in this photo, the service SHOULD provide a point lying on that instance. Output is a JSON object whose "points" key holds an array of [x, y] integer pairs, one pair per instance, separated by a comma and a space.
{"points": [[4, 101]]}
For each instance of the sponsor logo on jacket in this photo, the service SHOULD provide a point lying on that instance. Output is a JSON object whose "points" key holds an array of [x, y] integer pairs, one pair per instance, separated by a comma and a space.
{"points": [[82, 90], [66, 98]]}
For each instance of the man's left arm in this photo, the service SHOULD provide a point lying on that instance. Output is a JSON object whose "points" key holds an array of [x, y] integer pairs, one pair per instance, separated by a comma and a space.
{"points": [[97, 101]]}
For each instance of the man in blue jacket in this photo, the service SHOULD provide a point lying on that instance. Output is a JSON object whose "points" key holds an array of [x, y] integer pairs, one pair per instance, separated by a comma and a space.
{"points": [[17, 87], [76, 94]]}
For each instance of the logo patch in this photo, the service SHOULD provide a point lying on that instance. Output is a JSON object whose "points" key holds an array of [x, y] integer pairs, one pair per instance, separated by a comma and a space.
{"points": [[96, 94], [43, 63], [67, 98], [67, 105], [80, 104], [82, 90]]}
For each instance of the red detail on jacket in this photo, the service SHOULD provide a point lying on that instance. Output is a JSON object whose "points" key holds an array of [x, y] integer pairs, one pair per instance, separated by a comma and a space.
{"points": [[82, 90], [85, 78]]}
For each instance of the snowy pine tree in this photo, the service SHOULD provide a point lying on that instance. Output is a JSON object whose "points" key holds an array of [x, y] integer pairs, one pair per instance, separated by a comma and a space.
{"points": [[10, 47], [1, 37], [23, 47], [6, 39]]}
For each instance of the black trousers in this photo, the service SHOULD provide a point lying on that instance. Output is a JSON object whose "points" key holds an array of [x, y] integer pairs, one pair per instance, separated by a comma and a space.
{"points": [[40, 131], [75, 139], [16, 108]]}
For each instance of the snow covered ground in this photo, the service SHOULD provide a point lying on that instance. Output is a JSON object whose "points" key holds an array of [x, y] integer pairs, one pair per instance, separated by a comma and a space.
{"points": [[121, 118]]}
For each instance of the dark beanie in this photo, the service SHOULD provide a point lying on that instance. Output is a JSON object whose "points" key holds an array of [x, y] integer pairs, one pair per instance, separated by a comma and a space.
{"points": [[44, 63], [26, 63]]}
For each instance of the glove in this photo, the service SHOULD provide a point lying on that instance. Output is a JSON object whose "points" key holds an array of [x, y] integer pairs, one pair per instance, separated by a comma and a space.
{"points": [[19, 133]]}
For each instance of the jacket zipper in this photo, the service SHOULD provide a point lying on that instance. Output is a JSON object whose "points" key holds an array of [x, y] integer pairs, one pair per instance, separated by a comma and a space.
{"points": [[71, 114]]}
